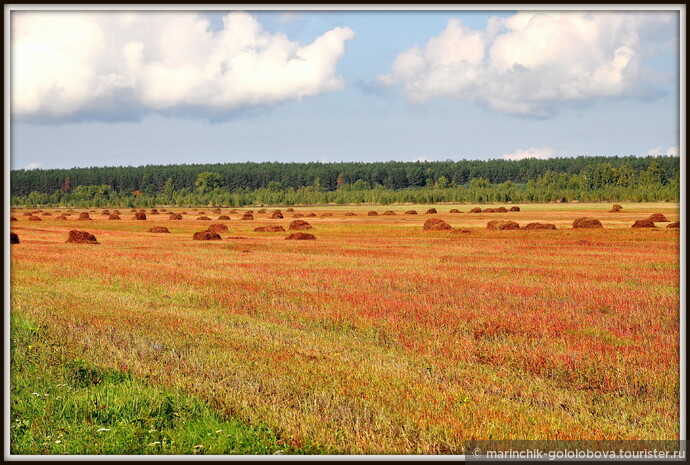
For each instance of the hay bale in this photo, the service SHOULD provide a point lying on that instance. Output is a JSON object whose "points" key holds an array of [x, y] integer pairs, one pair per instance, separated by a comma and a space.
{"points": [[203, 218], [175, 216], [300, 236], [349, 214], [476, 210], [299, 225], [105, 212], [216, 211], [263, 210], [436, 224], [273, 228], [81, 237], [540, 226], [117, 212], [454, 210], [217, 227], [247, 216], [133, 211], [233, 212], [47, 214], [326, 214], [201, 213], [658, 218], [390, 213], [12, 218], [206, 236], [142, 211], [501, 210], [411, 212], [373, 213], [27, 214], [277, 215], [674, 225], [154, 212], [298, 215], [14, 239], [84, 216], [113, 216], [290, 210], [514, 209], [140, 216], [311, 215], [250, 211], [223, 218], [163, 210], [489, 210], [643, 224], [61, 217], [36, 218], [431, 211], [616, 208], [184, 213], [502, 225], [159, 229], [586, 222]]}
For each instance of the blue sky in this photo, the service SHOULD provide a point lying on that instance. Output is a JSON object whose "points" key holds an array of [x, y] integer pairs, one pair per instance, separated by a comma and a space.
{"points": [[109, 89]]}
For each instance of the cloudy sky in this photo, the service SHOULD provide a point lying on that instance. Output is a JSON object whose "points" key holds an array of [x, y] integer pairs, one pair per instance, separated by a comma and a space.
{"points": [[94, 88]]}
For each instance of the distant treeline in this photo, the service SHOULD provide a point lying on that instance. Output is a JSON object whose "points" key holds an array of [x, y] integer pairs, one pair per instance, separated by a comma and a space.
{"points": [[235, 184]]}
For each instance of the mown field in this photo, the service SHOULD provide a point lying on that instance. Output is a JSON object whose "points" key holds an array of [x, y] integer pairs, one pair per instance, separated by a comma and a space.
{"points": [[376, 338]]}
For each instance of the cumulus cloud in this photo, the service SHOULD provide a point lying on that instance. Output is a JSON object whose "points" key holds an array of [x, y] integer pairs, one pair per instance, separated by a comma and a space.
{"points": [[529, 63], [532, 152], [659, 150], [101, 63]]}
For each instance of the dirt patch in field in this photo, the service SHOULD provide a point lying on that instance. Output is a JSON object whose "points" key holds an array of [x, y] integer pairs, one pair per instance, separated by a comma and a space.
{"points": [[223, 218], [277, 215], [454, 210], [502, 225], [217, 227], [616, 208], [36, 218], [84, 216], [658, 218], [81, 237], [514, 209], [175, 216], [674, 225], [643, 224], [537, 225], [206, 236], [586, 222], [300, 236], [159, 229], [113, 216], [373, 213], [273, 228], [14, 239], [299, 225], [431, 211], [247, 216], [203, 218], [140, 216], [476, 210], [436, 224]]}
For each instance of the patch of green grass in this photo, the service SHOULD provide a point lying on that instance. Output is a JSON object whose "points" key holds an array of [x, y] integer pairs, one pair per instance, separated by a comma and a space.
{"points": [[61, 404]]}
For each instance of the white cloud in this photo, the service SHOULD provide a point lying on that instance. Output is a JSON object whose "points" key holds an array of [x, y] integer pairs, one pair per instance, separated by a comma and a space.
{"points": [[530, 62], [532, 152], [67, 63], [659, 150], [421, 160], [33, 165]]}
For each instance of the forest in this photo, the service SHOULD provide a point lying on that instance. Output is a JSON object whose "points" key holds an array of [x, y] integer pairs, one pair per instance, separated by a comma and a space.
{"points": [[583, 178]]}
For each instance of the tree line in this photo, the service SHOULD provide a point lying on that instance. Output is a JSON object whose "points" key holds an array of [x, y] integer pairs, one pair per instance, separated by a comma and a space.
{"points": [[236, 184]]}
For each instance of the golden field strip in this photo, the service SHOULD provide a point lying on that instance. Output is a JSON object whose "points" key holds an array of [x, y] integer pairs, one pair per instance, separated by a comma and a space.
{"points": [[377, 337]]}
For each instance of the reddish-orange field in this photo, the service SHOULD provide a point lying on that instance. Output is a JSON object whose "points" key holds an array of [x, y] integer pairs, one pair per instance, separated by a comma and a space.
{"points": [[378, 336]]}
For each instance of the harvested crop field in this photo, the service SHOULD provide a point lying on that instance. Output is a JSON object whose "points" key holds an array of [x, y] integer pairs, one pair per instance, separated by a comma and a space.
{"points": [[378, 337]]}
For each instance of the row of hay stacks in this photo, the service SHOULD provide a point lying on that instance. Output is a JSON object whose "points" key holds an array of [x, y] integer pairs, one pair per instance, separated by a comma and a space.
{"points": [[437, 224]]}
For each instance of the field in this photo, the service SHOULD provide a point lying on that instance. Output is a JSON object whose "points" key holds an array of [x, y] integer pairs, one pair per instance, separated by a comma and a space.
{"points": [[376, 338]]}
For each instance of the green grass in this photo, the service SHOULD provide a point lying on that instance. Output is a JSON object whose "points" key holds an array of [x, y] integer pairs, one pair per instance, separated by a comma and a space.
{"points": [[61, 404]]}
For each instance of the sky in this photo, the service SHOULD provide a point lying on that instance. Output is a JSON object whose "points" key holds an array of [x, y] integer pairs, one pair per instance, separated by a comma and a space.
{"points": [[131, 88]]}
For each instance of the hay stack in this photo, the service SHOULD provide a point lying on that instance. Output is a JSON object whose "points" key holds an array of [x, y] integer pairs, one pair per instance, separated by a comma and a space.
{"points": [[81, 237], [163, 210], [514, 209], [113, 216], [643, 224], [217, 227], [142, 211], [36, 218], [586, 222], [373, 213], [117, 212], [263, 210], [489, 210], [215, 211], [454, 210], [47, 214], [502, 225], [223, 218], [159, 229], [350, 214], [154, 212], [390, 213], [247, 216], [273, 228], [476, 210], [140, 216], [300, 236], [658, 218], [233, 212], [277, 215], [298, 215], [27, 214], [203, 218], [61, 217], [436, 224], [311, 215], [501, 210], [105, 212], [674, 225], [14, 239], [206, 236], [540, 226], [84, 216], [299, 225], [290, 210], [616, 208], [326, 214], [431, 211], [175, 216], [411, 212]]}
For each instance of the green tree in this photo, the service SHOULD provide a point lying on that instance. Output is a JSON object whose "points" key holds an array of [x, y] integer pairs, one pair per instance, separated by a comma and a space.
{"points": [[207, 181]]}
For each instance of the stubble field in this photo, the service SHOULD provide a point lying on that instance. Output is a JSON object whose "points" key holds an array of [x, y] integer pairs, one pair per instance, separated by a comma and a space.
{"points": [[377, 337]]}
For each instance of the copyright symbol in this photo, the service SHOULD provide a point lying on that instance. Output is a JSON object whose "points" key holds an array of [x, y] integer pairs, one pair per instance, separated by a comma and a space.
{"points": [[477, 452]]}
